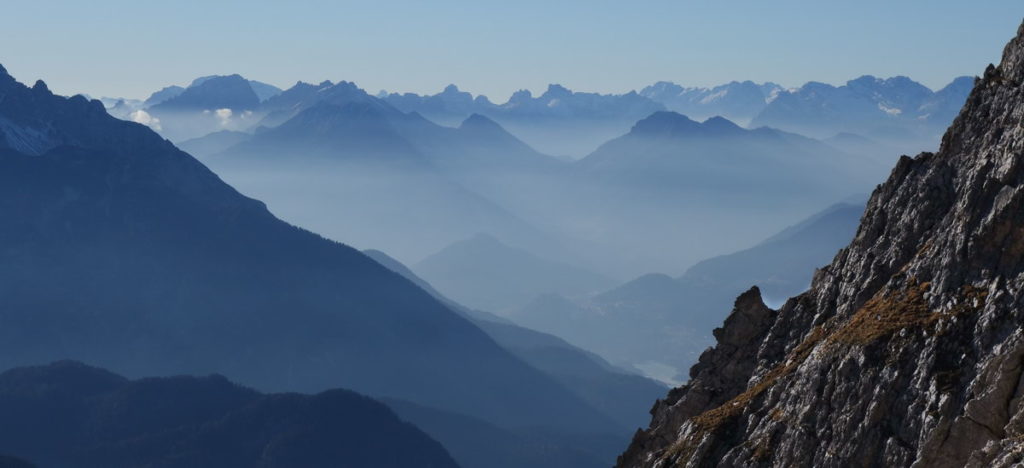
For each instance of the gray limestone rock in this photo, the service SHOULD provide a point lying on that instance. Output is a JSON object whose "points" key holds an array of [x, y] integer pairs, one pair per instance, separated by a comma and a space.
{"points": [[907, 350]]}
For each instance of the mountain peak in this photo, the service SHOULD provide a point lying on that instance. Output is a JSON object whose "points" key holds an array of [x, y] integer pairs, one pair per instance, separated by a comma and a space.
{"points": [[665, 122], [865, 79], [962, 80], [347, 85], [212, 92], [894, 81], [451, 89], [1012, 65], [721, 124], [162, 95], [40, 86], [521, 95], [204, 79], [959, 85], [662, 88], [479, 122], [556, 90], [87, 380]]}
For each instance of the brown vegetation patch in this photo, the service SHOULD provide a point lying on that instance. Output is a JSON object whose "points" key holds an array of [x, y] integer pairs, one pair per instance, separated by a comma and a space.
{"points": [[712, 419], [972, 299], [763, 450], [885, 314], [881, 316], [707, 422]]}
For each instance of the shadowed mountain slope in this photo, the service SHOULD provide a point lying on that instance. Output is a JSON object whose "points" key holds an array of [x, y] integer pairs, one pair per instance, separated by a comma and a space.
{"points": [[71, 415], [123, 251], [609, 389]]}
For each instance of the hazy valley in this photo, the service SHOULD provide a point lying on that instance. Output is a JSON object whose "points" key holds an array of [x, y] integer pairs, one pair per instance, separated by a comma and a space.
{"points": [[227, 272]]}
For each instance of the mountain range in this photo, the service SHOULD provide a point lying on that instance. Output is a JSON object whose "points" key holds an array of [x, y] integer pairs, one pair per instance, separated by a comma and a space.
{"points": [[897, 111], [480, 177], [122, 251], [559, 121], [736, 101], [331, 153], [350, 157], [209, 104], [660, 324], [673, 190]]}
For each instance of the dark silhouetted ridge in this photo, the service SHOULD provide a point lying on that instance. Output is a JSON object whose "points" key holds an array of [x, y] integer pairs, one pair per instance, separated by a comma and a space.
{"points": [[72, 415]]}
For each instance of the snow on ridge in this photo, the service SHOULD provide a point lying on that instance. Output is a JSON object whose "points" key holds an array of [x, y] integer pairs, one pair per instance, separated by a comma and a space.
{"points": [[26, 140], [889, 110]]}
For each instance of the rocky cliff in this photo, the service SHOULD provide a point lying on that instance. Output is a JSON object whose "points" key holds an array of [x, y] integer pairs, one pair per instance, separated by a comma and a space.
{"points": [[907, 350]]}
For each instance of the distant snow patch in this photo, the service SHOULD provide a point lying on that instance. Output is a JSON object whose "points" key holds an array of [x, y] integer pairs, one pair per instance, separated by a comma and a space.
{"points": [[890, 110], [26, 140], [714, 96]]}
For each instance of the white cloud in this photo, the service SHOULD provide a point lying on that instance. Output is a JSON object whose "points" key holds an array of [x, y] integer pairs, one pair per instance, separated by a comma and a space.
{"points": [[224, 115], [143, 117]]}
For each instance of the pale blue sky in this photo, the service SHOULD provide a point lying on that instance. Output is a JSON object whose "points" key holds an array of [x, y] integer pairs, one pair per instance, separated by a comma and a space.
{"points": [[131, 48]]}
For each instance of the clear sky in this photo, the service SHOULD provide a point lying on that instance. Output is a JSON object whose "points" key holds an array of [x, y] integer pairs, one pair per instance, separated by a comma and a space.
{"points": [[131, 48]]}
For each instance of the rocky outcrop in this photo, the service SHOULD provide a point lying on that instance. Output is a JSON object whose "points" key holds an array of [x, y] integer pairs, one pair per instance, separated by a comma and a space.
{"points": [[908, 349]]}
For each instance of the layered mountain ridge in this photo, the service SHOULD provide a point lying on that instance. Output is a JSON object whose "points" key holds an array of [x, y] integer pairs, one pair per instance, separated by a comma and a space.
{"points": [[623, 209], [897, 110], [908, 348], [472, 442], [558, 121], [661, 324], [122, 251], [739, 101]]}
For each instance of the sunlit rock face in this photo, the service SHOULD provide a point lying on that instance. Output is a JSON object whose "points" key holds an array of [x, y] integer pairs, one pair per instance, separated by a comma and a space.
{"points": [[908, 348]]}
